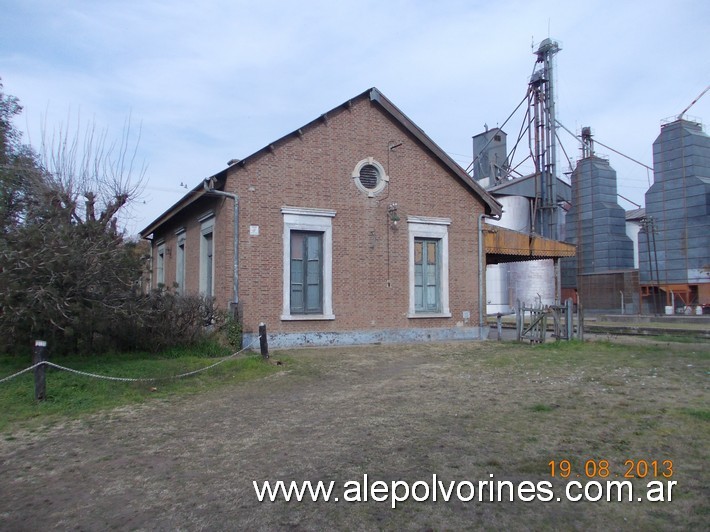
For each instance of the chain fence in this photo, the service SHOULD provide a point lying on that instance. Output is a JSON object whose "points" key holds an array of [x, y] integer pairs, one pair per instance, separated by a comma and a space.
{"points": [[129, 379]]}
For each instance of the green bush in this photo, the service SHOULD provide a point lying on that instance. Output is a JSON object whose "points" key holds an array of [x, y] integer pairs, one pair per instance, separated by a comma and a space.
{"points": [[233, 329]]}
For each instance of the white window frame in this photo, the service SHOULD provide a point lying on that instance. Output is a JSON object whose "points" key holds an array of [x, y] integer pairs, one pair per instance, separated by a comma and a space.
{"points": [[431, 228], [160, 264], [180, 261], [319, 221], [207, 226]]}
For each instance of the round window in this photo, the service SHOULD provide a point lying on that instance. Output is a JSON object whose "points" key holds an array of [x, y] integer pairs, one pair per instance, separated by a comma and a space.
{"points": [[370, 177]]}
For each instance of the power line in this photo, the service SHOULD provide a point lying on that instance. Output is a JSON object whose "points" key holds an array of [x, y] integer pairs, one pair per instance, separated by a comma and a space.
{"points": [[605, 146], [619, 153], [477, 156]]}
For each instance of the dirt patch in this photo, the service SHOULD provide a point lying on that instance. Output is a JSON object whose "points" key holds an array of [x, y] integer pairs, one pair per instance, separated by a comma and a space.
{"points": [[460, 411]]}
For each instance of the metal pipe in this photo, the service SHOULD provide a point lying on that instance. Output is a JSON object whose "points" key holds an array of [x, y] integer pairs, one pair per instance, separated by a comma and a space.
{"points": [[150, 273], [207, 184], [558, 280]]}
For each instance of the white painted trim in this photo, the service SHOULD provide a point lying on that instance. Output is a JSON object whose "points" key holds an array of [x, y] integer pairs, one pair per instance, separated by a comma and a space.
{"points": [[205, 216], [430, 220], [436, 228], [307, 219], [418, 315], [307, 211], [381, 184], [308, 317], [207, 226], [160, 264], [369, 336], [180, 262]]}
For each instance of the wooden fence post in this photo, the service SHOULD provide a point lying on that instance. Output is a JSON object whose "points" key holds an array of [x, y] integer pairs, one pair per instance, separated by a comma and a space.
{"points": [[39, 354], [569, 319], [262, 341]]}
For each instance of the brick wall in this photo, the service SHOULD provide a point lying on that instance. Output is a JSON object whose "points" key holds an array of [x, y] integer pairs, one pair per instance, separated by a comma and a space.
{"points": [[189, 220], [370, 258]]}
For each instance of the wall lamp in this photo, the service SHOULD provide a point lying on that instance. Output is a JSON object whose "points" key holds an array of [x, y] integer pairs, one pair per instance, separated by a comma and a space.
{"points": [[392, 214]]}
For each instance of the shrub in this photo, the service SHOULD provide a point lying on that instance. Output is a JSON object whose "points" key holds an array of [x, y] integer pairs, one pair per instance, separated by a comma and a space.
{"points": [[163, 319]]}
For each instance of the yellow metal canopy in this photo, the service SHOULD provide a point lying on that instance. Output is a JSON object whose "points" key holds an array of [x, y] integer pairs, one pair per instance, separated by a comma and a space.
{"points": [[506, 245]]}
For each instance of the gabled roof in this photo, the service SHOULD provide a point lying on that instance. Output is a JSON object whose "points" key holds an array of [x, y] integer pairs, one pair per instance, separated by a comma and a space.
{"points": [[375, 96], [492, 206]]}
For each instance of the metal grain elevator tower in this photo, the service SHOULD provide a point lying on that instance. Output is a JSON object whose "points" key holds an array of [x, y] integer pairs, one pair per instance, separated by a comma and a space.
{"points": [[541, 100], [674, 242], [604, 264], [596, 223]]}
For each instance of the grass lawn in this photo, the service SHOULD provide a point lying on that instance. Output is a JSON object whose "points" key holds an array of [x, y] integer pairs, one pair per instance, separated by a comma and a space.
{"points": [[71, 396]]}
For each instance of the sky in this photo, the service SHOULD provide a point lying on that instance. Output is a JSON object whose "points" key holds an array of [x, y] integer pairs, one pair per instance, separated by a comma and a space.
{"points": [[205, 82]]}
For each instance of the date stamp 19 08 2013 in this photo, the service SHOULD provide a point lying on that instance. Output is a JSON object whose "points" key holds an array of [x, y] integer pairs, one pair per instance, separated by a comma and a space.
{"points": [[630, 469]]}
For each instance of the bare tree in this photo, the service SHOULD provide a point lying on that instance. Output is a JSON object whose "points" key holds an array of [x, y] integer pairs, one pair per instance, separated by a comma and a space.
{"points": [[92, 178], [65, 269]]}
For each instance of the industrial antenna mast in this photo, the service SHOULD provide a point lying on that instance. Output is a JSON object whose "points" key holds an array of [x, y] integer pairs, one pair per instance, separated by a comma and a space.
{"points": [[541, 102]]}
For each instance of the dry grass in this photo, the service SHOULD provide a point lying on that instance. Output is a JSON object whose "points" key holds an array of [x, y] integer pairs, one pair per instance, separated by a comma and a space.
{"points": [[462, 411]]}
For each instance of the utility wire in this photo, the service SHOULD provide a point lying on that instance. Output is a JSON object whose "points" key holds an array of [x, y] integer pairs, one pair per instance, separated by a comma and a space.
{"points": [[499, 127], [605, 146], [619, 153]]}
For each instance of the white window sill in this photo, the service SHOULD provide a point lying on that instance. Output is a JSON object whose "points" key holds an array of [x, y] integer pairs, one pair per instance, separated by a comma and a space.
{"points": [[429, 315], [307, 317]]}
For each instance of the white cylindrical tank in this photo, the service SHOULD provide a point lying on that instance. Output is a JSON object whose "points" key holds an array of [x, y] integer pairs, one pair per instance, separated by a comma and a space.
{"points": [[516, 213], [497, 289], [516, 216], [533, 282]]}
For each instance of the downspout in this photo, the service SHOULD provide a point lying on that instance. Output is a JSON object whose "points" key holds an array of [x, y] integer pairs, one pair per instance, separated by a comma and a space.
{"points": [[150, 270], [207, 184], [481, 266]]}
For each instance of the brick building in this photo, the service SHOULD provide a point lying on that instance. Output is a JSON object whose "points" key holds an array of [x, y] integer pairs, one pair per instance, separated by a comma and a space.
{"points": [[355, 228]]}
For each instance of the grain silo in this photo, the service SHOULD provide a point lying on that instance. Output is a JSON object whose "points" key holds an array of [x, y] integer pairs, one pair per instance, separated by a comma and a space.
{"points": [[603, 270], [674, 242]]}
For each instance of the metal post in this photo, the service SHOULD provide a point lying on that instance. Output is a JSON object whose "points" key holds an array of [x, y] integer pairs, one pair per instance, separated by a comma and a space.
{"points": [[499, 323], [580, 321], [518, 321], [558, 281], [39, 354], [262, 340], [569, 319], [655, 258]]}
